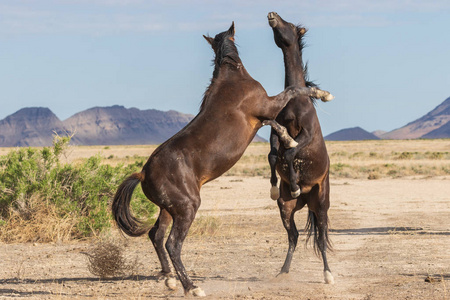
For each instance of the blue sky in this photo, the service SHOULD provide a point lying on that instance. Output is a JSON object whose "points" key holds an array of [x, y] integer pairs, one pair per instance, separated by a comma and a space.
{"points": [[387, 62]]}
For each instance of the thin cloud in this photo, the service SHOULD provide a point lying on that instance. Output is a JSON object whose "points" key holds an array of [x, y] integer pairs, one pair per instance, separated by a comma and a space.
{"points": [[125, 16]]}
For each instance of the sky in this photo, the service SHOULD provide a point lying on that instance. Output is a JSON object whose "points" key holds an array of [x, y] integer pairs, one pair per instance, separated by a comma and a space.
{"points": [[387, 62]]}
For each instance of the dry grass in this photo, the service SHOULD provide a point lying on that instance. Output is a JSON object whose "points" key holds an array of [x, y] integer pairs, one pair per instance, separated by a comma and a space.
{"points": [[395, 159], [358, 159], [205, 225], [365, 159], [37, 223], [349, 159]]}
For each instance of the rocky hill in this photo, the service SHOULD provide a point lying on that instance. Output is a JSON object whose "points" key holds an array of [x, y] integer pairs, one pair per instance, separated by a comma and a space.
{"points": [[115, 125], [96, 126], [442, 132], [351, 134], [118, 125], [420, 128], [433, 125], [30, 127]]}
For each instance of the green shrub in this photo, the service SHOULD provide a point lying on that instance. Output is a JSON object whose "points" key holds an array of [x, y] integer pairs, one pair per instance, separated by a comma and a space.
{"points": [[80, 192], [405, 155], [339, 166]]}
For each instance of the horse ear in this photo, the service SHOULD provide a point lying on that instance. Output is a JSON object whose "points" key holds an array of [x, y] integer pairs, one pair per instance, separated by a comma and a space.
{"points": [[303, 30], [232, 30], [210, 40]]}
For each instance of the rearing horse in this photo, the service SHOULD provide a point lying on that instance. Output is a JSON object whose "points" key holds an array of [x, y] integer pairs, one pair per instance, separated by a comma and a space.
{"points": [[233, 109], [304, 169]]}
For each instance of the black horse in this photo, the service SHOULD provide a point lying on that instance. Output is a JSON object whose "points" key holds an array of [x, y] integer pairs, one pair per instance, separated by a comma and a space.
{"points": [[304, 169], [233, 109]]}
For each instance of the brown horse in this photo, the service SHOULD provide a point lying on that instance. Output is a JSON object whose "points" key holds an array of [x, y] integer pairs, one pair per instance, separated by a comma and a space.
{"points": [[233, 109], [304, 169]]}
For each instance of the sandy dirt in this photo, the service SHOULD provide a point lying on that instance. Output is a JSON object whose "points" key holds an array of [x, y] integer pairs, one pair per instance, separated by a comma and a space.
{"points": [[389, 236]]}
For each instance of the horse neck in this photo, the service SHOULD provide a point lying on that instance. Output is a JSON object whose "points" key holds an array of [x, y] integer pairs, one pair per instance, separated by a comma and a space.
{"points": [[293, 66], [229, 68], [222, 73], [231, 61]]}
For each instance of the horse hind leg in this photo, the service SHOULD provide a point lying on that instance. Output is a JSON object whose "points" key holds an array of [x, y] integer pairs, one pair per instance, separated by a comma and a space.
{"points": [[181, 224], [318, 227], [156, 235], [287, 211], [323, 244]]}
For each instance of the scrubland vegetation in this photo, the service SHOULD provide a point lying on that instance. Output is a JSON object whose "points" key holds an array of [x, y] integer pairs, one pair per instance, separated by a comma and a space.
{"points": [[63, 192], [45, 200]]}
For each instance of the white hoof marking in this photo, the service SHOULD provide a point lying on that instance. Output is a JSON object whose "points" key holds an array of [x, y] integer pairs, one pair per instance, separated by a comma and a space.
{"points": [[329, 279], [198, 292], [274, 193], [327, 98], [296, 193], [171, 283], [292, 143]]}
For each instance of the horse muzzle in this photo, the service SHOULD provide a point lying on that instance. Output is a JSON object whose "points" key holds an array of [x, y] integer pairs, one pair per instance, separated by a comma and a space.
{"points": [[273, 19]]}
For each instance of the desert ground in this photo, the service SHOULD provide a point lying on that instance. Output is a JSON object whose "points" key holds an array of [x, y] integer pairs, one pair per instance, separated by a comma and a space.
{"points": [[390, 227]]}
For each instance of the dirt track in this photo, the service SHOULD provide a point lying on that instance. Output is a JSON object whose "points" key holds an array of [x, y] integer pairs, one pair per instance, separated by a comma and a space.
{"points": [[388, 235]]}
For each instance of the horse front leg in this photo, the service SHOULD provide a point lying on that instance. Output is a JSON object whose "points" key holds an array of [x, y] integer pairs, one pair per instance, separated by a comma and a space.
{"points": [[289, 156], [273, 159], [275, 104], [282, 133]]}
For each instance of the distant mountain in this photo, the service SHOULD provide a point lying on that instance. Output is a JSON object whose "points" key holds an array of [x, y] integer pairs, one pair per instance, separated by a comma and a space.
{"points": [[432, 121], [442, 132], [29, 127], [115, 125], [433, 125], [378, 133], [351, 134]]}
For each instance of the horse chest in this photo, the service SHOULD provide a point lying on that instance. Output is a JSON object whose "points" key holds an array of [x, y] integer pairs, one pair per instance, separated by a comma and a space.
{"points": [[301, 165]]}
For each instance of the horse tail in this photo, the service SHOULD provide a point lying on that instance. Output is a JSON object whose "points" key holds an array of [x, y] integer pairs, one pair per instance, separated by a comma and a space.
{"points": [[312, 230], [121, 207]]}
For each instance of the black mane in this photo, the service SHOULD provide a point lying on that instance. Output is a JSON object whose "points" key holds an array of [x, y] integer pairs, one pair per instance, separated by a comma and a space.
{"points": [[301, 46], [226, 53]]}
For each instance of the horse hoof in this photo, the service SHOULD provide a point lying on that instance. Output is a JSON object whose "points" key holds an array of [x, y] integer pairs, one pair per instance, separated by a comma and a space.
{"points": [[329, 279], [171, 283], [274, 193], [296, 193], [197, 292], [327, 98], [283, 275], [292, 144]]}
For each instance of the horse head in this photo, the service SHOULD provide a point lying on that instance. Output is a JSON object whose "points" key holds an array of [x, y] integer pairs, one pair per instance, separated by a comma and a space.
{"points": [[224, 48], [286, 34]]}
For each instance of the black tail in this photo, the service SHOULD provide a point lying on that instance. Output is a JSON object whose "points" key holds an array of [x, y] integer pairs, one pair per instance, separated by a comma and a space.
{"points": [[312, 230], [121, 207]]}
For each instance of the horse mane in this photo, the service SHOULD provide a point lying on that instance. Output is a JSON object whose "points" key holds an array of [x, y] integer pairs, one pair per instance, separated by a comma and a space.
{"points": [[301, 46], [226, 54]]}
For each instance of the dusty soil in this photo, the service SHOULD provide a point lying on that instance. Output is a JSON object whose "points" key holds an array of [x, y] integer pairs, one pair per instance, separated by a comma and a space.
{"points": [[389, 236]]}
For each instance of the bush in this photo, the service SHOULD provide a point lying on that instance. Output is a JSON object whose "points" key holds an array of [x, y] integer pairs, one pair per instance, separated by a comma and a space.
{"points": [[33, 181]]}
